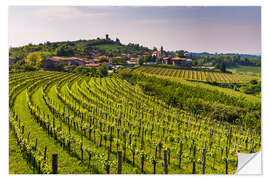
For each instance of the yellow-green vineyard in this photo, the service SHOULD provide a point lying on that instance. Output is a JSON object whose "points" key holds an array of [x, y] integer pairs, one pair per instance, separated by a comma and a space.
{"points": [[88, 121], [187, 74]]}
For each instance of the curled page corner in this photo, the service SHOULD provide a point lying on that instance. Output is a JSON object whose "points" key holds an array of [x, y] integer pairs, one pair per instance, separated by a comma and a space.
{"points": [[249, 163]]}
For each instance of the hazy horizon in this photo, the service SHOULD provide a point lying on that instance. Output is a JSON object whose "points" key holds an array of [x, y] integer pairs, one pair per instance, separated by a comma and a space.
{"points": [[195, 29]]}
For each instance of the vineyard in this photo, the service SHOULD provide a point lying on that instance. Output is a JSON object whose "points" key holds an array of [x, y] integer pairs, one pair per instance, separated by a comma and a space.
{"points": [[179, 74], [72, 124]]}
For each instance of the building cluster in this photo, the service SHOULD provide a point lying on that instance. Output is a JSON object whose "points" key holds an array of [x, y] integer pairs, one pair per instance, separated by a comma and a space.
{"points": [[96, 61], [132, 59], [53, 62], [173, 60], [106, 60]]}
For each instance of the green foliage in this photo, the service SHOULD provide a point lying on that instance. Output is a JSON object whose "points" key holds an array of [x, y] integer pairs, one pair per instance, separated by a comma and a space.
{"points": [[103, 59], [81, 70], [221, 66], [149, 58], [36, 58], [65, 51], [80, 48], [230, 61], [197, 99], [69, 68], [92, 113], [22, 68], [198, 74], [120, 61], [102, 70], [180, 54], [249, 70], [141, 61], [253, 87]]}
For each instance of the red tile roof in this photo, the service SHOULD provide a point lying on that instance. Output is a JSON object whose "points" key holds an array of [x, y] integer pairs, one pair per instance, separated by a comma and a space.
{"points": [[180, 59], [156, 52], [92, 65], [56, 58]]}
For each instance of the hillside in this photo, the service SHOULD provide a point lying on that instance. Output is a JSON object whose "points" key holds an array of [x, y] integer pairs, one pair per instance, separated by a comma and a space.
{"points": [[249, 70], [80, 48], [88, 122]]}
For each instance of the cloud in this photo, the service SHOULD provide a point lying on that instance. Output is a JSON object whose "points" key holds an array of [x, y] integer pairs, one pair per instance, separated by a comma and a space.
{"points": [[64, 13], [152, 21]]}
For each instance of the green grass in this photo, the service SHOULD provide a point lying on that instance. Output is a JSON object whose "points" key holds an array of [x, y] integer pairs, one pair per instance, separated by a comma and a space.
{"points": [[17, 164], [248, 70]]}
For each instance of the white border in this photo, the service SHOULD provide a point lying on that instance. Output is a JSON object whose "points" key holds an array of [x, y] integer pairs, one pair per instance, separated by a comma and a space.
{"points": [[265, 74]]}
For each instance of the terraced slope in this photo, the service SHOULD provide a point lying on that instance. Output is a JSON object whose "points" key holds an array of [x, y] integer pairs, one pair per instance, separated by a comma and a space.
{"points": [[180, 74], [88, 120]]}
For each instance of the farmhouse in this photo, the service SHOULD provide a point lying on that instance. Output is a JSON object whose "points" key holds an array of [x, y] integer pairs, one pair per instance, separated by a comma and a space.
{"points": [[55, 62], [167, 60], [97, 59], [177, 61], [157, 54]]}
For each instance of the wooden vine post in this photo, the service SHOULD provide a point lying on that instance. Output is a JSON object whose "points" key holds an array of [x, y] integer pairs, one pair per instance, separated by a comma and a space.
{"points": [[155, 160], [226, 161], [194, 160], [45, 153], [203, 160], [124, 146], [81, 147], [165, 162], [119, 163], [180, 154], [54, 163], [237, 159], [142, 162]]}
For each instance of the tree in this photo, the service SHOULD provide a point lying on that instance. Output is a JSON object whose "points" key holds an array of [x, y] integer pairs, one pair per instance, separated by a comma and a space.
{"points": [[86, 51], [222, 67], [180, 54], [253, 81], [117, 40], [102, 70], [140, 61], [107, 37], [217, 66], [93, 71], [195, 63], [36, 58], [103, 59], [148, 58], [65, 51], [161, 51]]}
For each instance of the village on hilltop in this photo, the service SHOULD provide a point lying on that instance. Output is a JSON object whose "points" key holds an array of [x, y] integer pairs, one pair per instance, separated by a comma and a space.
{"points": [[127, 59]]}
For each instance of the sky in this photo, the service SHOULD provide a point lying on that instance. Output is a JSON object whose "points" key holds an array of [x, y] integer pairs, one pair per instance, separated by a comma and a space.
{"points": [[192, 28]]}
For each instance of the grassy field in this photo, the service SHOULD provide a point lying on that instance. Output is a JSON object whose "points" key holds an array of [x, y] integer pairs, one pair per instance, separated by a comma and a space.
{"points": [[248, 70], [89, 121]]}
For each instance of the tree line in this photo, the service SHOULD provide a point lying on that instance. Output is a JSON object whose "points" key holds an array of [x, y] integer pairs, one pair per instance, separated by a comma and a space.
{"points": [[229, 61]]}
